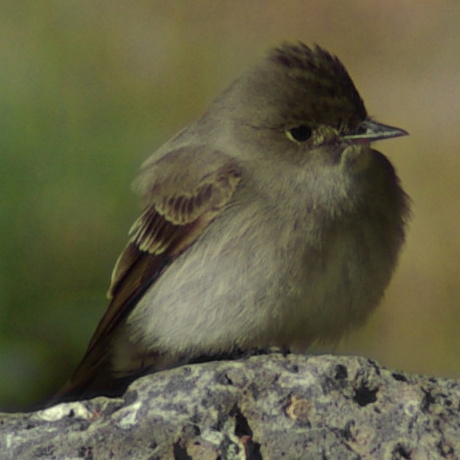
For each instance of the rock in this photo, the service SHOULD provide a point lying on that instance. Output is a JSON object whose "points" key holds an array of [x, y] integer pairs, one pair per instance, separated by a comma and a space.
{"points": [[263, 407]]}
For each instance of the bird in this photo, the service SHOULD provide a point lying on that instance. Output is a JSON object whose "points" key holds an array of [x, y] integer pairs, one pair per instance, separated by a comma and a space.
{"points": [[270, 221]]}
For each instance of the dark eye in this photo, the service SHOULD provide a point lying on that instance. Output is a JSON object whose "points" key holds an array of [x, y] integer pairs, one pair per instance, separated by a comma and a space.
{"points": [[299, 134]]}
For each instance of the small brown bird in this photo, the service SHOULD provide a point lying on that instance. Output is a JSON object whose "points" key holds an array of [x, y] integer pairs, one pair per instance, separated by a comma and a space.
{"points": [[270, 221]]}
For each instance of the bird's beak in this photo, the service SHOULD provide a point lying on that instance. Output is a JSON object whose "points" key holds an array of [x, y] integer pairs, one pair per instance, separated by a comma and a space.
{"points": [[369, 131]]}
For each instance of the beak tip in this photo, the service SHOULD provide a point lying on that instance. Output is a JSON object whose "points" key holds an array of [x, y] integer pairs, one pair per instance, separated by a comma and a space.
{"points": [[402, 132]]}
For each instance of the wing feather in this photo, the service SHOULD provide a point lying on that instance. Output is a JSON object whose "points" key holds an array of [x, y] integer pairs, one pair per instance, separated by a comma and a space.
{"points": [[184, 191]]}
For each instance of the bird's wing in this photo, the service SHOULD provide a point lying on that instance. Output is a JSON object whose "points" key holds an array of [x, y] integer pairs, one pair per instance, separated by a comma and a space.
{"points": [[183, 191]]}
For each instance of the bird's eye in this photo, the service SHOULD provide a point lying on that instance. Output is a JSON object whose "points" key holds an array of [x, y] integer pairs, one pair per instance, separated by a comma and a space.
{"points": [[299, 134]]}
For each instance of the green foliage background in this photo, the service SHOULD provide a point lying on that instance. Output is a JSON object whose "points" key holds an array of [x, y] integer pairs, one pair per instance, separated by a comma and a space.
{"points": [[88, 89]]}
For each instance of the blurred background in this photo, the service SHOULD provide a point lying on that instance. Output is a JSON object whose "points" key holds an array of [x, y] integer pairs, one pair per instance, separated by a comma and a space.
{"points": [[88, 89]]}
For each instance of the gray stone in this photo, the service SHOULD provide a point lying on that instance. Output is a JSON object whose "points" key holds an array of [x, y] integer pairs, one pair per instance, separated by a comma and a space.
{"points": [[262, 407]]}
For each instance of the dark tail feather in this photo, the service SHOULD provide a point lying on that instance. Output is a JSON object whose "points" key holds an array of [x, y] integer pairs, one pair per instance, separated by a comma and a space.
{"points": [[100, 385]]}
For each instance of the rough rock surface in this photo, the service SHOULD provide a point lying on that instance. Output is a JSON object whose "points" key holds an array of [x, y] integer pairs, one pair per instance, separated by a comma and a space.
{"points": [[263, 407]]}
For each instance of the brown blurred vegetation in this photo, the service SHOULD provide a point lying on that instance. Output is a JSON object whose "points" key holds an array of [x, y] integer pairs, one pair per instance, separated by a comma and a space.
{"points": [[88, 89]]}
